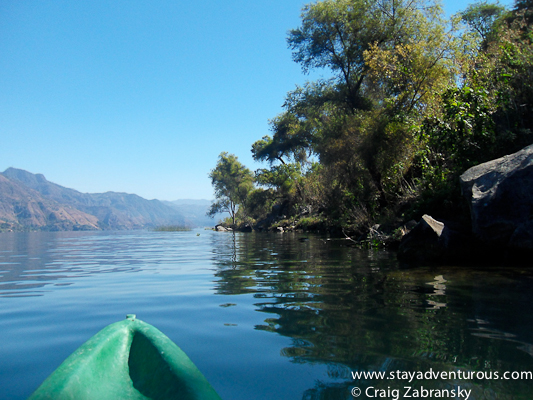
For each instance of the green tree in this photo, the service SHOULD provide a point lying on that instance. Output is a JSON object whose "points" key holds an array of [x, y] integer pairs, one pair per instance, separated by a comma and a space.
{"points": [[489, 114], [336, 34], [232, 182], [389, 60], [289, 141], [481, 16], [289, 146]]}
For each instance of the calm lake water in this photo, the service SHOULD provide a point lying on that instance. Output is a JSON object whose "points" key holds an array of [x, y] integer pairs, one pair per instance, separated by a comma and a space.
{"points": [[281, 316]]}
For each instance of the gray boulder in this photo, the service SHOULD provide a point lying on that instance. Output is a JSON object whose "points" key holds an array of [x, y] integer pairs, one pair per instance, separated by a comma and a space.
{"points": [[500, 196], [435, 241]]}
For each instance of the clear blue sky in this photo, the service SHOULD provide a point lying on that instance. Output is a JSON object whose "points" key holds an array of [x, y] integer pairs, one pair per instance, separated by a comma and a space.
{"points": [[141, 96]]}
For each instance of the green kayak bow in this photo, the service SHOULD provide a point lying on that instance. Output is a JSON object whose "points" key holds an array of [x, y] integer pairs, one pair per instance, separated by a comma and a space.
{"points": [[129, 359]]}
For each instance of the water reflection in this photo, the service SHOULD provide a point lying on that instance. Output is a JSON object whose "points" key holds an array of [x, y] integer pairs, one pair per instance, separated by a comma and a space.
{"points": [[29, 262], [339, 307], [32, 261], [439, 290], [360, 310]]}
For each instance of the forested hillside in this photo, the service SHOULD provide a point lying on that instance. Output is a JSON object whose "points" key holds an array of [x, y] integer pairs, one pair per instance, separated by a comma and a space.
{"points": [[412, 102]]}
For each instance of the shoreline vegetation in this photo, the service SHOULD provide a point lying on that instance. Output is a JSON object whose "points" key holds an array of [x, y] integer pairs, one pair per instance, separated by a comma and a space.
{"points": [[172, 228], [413, 101]]}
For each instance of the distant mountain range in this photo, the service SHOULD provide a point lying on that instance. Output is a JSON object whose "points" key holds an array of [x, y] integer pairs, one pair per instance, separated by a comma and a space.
{"points": [[194, 211], [31, 202]]}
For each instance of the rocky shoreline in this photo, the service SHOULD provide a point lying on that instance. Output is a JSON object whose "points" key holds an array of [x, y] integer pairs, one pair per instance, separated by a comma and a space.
{"points": [[500, 198], [499, 194]]}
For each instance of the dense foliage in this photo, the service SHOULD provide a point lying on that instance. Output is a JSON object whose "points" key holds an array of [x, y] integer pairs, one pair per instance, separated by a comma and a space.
{"points": [[412, 101]]}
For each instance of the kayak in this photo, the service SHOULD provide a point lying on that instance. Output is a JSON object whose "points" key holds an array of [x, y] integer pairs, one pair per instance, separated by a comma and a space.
{"points": [[129, 359]]}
